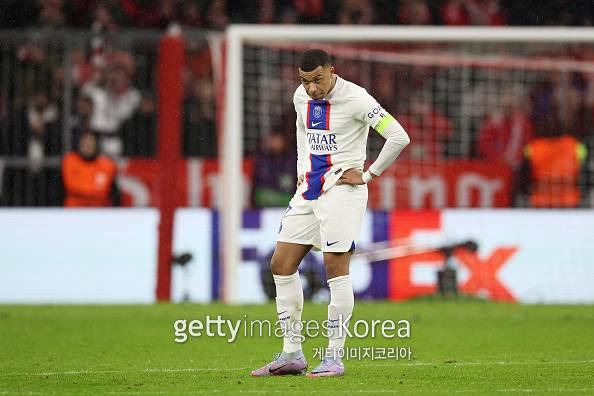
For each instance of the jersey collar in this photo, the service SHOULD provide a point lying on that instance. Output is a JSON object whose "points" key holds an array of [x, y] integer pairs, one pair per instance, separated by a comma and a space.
{"points": [[337, 86]]}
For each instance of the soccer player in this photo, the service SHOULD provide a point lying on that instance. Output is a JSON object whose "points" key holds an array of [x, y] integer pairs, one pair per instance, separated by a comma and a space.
{"points": [[326, 212]]}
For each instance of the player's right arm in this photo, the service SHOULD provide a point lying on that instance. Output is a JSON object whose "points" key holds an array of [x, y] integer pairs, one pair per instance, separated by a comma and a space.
{"points": [[301, 151]]}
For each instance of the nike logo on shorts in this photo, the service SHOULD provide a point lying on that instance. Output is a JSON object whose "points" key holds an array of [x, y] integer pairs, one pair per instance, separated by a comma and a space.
{"points": [[330, 244]]}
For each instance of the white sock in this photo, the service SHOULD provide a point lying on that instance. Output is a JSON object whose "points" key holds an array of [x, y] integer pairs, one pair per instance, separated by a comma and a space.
{"points": [[289, 305], [340, 309]]}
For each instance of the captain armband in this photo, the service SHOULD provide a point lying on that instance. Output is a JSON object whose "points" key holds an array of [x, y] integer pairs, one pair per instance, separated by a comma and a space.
{"points": [[389, 127]]}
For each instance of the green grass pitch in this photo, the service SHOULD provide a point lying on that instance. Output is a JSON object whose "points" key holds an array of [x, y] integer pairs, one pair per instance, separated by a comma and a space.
{"points": [[458, 347]]}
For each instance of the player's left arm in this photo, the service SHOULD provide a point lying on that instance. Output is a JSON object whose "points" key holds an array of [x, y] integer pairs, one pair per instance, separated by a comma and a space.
{"points": [[369, 111]]}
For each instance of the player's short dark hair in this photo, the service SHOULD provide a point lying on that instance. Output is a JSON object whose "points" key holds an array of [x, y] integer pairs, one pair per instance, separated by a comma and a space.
{"points": [[312, 58]]}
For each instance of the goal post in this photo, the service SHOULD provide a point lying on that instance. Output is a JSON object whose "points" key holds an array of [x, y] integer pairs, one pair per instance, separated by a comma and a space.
{"points": [[238, 36]]}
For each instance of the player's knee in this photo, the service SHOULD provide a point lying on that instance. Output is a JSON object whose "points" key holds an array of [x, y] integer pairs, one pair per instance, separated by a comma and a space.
{"points": [[337, 264], [274, 265], [336, 257], [278, 266]]}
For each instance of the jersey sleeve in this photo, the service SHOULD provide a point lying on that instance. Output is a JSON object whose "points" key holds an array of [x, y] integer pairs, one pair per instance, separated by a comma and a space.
{"points": [[300, 137], [368, 110]]}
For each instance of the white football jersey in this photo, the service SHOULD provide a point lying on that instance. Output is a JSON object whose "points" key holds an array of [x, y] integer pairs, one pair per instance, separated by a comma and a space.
{"points": [[332, 134]]}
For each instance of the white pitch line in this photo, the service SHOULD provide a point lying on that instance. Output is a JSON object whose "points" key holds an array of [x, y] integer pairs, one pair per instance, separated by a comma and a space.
{"points": [[153, 370], [20, 393], [284, 391], [528, 390], [397, 391], [374, 391], [478, 363], [190, 370]]}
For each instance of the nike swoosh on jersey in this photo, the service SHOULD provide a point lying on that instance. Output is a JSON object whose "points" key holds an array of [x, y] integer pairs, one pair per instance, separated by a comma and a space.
{"points": [[316, 123], [330, 244]]}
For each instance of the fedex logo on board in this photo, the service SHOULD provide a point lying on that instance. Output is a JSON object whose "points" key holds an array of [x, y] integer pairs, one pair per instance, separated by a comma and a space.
{"points": [[483, 270]]}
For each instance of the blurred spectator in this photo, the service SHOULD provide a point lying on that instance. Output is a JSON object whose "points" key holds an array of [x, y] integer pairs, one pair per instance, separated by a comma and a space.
{"points": [[81, 71], [217, 16], [486, 12], [414, 12], [589, 90], [553, 165], [473, 12], [268, 10], [563, 118], [355, 12], [114, 102], [30, 73], [3, 124], [275, 173], [312, 11], [429, 129], [34, 131], [8, 139], [43, 129], [192, 14], [551, 12], [504, 134], [453, 12], [569, 109], [51, 14], [481, 99], [37, 65], [199, 120], [89, 178], [15, 14], [56, 87], [104, 20], [352, 70], [155, 13], [109, 14], [198, 59], [81, 120], [79, 12], [589, 110], [384, 88], [140, 131], [560, 103], [287, 15]]}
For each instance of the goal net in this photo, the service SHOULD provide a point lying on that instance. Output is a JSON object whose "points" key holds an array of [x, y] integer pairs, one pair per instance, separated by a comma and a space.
{"points": [[469, 99], [443, 91]]}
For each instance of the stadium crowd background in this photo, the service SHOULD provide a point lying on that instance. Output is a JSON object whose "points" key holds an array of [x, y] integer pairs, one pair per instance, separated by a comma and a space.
{"points": [[217, 14], [111, 79]]}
